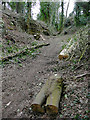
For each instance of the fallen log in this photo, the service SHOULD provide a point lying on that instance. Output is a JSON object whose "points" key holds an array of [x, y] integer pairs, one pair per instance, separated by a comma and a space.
{"points": [[40, 99], [63, 55], [51, 88], [22, 51], [67, 50], [53, 99]]}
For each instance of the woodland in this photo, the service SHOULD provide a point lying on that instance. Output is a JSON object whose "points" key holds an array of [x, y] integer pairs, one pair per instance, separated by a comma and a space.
{"points": [[45, 60]]}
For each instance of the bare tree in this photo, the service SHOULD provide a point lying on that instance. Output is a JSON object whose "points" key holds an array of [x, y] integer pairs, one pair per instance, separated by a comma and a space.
{"points": [[4, 3], [29, 9], [62, 15], [67, 7]]}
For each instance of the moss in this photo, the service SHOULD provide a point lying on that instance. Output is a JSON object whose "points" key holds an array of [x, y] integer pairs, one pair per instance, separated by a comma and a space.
{"points": [[10, 28]]}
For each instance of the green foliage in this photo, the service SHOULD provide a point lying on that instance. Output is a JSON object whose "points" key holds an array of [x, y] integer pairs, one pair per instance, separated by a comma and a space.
{"points": [[81, 13], [10, 49], [1, 23], [78, 117], [17, 59], [44, 11], [67, 22], [83, 20], [20, 65], [63, 46], [49, 13], [34, 43], [75, 39], [68, 39], [12, 5], [1, 45], [19, 7]]}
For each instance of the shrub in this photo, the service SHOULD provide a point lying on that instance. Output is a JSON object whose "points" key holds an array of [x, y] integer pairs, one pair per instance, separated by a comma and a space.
{"points": [[83, 20]]}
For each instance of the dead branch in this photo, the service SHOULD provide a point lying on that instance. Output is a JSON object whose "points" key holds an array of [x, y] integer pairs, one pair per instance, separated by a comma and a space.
{"points": [[23, 51], [82, 75]]}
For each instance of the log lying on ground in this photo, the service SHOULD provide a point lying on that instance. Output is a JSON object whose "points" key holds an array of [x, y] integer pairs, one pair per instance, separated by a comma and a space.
{"points": [[40, 99], [22, 51], [67, 50], [53, 99], [52, 87], [63, 54]]}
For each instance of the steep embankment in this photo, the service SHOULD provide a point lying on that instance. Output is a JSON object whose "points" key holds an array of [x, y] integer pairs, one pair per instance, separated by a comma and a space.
{"points": [[15, 37]]}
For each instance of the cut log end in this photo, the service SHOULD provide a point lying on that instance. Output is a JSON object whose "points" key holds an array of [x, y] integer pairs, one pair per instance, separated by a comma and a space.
{"points": [[37, 108], [51, 109], [63, 57], [54, 88]]}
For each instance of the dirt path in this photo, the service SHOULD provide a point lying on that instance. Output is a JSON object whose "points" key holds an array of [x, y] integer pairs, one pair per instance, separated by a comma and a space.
{"points": [[21, 84]]}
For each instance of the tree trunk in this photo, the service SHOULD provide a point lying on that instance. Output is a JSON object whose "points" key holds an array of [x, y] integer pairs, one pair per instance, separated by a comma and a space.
{"points": [[48, 12], [52, 103], [67, 8], [52, 87], [62, 14], [67, 50], [29, 9], [29, 15], [77, 19], [4, 4], [17, 7], [40, 99]]}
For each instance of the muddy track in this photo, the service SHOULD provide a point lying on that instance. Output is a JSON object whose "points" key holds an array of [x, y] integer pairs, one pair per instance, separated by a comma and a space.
{"points": [[21, 84]]}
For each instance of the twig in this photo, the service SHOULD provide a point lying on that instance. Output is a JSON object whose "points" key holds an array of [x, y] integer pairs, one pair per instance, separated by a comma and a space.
{"points": [[71, 56], [78, 67], [82, 75]]}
